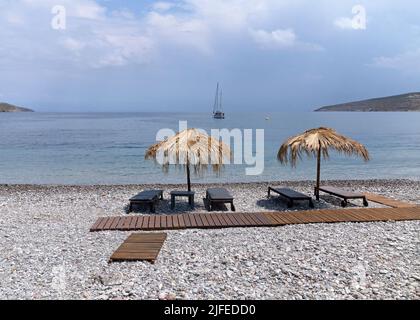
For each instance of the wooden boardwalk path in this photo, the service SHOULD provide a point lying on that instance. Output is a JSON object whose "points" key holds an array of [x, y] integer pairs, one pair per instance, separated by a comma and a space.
{"points": [[140, 246], [388, 201], [260, 219]]}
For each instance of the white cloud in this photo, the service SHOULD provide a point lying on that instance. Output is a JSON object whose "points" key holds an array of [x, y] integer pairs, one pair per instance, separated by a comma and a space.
{"points": [[189, 32], [406, 62], [73, 44], [98, 37], [163, 6], [275, 39], [83, 9], [94, 37], [280, 39], [231, 15], [344, 23]]}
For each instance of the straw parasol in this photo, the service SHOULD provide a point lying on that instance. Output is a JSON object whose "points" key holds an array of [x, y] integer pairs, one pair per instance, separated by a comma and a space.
{"points": [[317, 143], [190, 148]]}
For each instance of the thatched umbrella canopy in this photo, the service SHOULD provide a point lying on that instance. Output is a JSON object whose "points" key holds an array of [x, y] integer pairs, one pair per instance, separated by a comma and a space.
{"points": [[317, 143], [190, 148]]}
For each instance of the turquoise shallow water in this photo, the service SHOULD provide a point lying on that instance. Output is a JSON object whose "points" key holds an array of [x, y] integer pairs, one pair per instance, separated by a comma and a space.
{"points": [[108, 148]]}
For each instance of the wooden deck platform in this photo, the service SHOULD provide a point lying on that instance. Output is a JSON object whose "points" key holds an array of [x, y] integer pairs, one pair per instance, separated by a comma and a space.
{"points": [[388, 201], [260, 219], [140, 246]]}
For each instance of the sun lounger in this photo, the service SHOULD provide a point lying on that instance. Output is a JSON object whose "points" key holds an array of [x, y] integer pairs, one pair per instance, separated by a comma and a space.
{"points": [[343, 194], [150, 197], [290, 195], [218, 195]]}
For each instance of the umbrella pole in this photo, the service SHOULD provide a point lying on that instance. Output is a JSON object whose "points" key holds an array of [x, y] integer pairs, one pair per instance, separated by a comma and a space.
{"points": [[188, 177], [318, 173], [188, 174]]}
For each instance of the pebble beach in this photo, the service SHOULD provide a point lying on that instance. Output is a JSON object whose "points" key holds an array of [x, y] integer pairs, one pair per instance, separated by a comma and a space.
{"points": [[49, 253]]}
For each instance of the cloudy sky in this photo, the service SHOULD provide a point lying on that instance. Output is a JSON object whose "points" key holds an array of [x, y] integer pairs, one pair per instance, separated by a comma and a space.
{"points": [[142, 55]]}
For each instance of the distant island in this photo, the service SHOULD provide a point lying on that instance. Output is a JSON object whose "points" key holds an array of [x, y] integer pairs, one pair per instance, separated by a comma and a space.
{"points": [[401, 103], [6, 107]]}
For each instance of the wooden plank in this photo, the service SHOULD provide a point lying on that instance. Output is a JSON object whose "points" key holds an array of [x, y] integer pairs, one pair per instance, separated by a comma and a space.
{"points": [[398, 214], [371, 215], [140, 240], [120, 223], [344, 217], [163, 222], [158, 222], [145, 223], [277, 219], [297, 218], [269, 216], [190, 221], [252, 217], [263, 218], [215, 220], [126, 224], [181, 221], [140, 247], [203, 220], [145, 245], [96, 225], [326, 215], [314, 217], [133, 223], [388, 201], [169, 222], [210, 220], [139, 222], [335, 216], [240, 220], [224, 220], [175, 221], [108, 223], [240, 217], [247, 220], [392, 214], [229, 219], [132, 256], [414, 210], [284, 218], [149, 237], [360, 216], [151, 222], [306, 217], [115, 223], [198, 220], [102, 223], [288, 218]]}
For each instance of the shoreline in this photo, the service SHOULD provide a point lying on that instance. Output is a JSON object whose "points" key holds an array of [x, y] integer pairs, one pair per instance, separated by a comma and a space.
{"points": [[200, 184], [49, 253]]}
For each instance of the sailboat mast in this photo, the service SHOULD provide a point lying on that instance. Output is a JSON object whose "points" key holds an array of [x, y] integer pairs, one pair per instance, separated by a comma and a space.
{"points": [[216, 100], [220, 102]]}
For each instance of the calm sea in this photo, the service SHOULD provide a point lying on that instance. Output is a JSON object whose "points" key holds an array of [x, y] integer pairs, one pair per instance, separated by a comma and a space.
{"points": [[108, 148]]}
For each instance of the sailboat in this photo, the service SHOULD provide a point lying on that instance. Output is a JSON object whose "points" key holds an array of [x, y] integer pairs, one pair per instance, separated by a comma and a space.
{"points": [[217, 108]]}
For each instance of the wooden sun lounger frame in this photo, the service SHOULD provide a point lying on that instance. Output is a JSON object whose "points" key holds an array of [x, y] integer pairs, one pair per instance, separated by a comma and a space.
{"points": [[227, 198], [343, 194], [291, 195], [155, 196]]}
